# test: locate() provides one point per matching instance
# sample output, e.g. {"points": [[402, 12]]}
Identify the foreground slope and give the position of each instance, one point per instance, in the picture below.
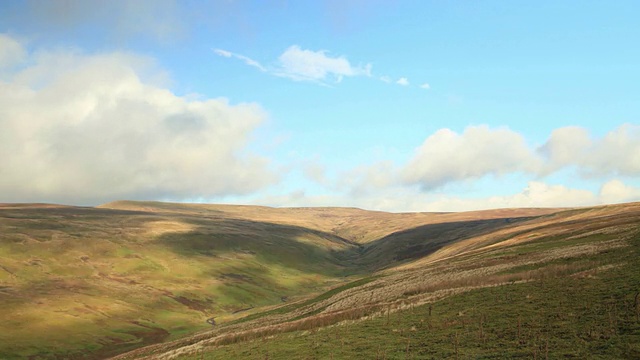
{"points": [[561, 285], [81, 282], [92, 280]]}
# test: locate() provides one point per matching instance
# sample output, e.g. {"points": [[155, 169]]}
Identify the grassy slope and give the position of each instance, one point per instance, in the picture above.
{"points": [[79, 280], [560, 286], [93, 282]]}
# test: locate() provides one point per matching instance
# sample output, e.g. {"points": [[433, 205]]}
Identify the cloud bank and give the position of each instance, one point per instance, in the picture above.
{"points": [[617, 153], [448, 157], [78, 128], [534, 194]]}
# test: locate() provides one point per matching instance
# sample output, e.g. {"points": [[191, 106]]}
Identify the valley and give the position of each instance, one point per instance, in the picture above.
{"points": [[189, 281]]}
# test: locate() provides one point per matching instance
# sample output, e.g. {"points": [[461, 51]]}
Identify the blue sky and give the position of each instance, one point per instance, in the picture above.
{"points": [[389, 105]]}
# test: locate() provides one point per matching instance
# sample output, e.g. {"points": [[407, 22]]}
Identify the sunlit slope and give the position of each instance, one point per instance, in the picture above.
{"points": [[356, 225], [85, 279], [383, 239], [559, 285], [92, 282]]}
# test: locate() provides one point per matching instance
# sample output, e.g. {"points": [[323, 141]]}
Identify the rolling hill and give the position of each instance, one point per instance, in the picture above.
{"points": [[225, 281]]}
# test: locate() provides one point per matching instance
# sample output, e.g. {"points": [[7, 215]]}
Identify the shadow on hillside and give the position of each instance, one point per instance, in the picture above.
{"points": [[243, 255], [412, 244], [294, 247], [320, 252]]}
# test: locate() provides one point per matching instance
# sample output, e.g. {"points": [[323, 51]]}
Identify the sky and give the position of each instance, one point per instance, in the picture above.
{"points": [[383, 105]]}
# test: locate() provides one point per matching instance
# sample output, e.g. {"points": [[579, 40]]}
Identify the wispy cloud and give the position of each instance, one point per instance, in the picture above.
{"points": [[319, 67], [247, 60], [307, 65], [403, 81], [425, 86], [224, 53], [300, 64]]}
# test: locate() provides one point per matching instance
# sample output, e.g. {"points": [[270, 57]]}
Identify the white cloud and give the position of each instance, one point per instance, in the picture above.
{"points": [[223, 53], [367, 179], [617, 153], [615, 191], [314, 66], [78, 128], [251, 62], [403, 81], [247, 60], [320, 67], [11, 52], [399, 199], [539, 194], [536, 194], [308, 65], [448, 157], [315, 171], [564, 147]]}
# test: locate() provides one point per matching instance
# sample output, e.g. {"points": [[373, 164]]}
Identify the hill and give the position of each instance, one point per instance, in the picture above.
{"points": [[224, 281]]}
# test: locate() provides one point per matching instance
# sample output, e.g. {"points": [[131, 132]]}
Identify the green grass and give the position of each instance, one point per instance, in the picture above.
{"points": [[555, 242], [90, 283], [592, 317], [75, 280], [291, 307]]}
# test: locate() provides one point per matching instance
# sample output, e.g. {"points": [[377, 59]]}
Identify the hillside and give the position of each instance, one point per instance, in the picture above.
{"points": [[81, 282]]}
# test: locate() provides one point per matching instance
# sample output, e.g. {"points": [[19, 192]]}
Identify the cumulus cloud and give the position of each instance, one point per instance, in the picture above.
{"points": [[615, 191], [315, 171], [617, 153], [77, 128], [564, 147], [447, 156], [11, 52], [540, 194], [536, 194], [367, 179], [402, 199], [403, 81], [425, 86]]}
